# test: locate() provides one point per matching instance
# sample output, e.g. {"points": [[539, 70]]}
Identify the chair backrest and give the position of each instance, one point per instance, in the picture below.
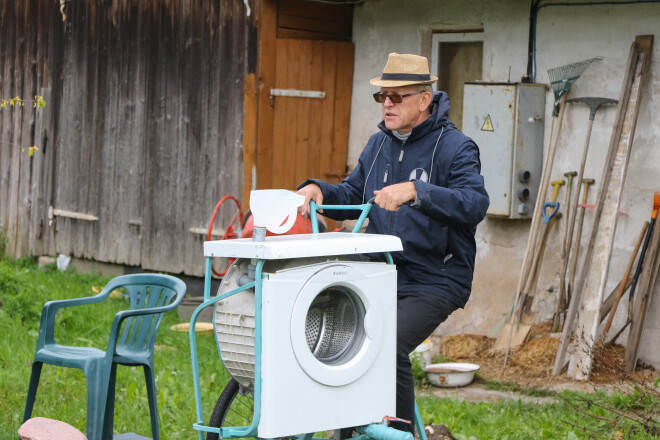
{"points": [[146, 291]]}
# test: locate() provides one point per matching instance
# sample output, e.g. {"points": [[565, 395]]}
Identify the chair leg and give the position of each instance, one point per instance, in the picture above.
{"points": [[97, 391], [109, 417], [151, 394], [32, 390]]}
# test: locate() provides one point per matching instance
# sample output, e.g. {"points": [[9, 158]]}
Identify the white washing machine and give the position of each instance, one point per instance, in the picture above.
{"points": [[329, 331]]}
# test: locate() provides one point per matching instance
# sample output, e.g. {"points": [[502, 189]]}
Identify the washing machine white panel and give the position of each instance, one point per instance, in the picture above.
{"points": [[303, 394]]}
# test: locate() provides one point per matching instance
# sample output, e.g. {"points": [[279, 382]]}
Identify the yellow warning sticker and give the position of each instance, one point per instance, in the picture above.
{"points": [[488, 124]]}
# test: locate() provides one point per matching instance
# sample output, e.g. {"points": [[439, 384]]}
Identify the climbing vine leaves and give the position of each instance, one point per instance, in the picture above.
{"points": [[17, 102]]}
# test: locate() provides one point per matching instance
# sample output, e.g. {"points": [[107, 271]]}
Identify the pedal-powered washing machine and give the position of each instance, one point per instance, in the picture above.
{"points": [[313, 338]]}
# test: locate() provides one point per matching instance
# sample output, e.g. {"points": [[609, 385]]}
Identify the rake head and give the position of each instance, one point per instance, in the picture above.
{"points": [[563, 77]]}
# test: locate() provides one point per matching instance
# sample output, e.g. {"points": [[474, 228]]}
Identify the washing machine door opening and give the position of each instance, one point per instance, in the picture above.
{"points": [[334, 326]]}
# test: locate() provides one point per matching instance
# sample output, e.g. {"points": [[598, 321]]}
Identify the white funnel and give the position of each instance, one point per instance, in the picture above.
{"points": [[275, 209]]}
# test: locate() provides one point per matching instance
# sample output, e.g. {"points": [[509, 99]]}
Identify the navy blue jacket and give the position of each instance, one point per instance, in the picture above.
{"points": [[438, 234]]}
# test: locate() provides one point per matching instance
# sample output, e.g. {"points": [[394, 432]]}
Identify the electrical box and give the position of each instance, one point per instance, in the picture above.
{"points": [[506, 121]]}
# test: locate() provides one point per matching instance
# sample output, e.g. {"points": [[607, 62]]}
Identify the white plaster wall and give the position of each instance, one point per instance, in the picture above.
{"points": [[564, 35]]}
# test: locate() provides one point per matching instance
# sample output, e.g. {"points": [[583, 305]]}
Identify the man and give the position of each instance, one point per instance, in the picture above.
{"points": [[425, 176]]}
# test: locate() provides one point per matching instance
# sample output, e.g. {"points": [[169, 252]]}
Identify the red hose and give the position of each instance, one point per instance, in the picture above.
{"points": [[229, 232]]}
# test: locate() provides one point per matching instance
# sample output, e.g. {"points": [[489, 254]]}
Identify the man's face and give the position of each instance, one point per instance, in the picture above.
{"points": [[402, 117]]}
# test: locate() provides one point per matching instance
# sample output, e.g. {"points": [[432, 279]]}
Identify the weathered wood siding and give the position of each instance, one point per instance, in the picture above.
{"points": [[142, 126]]}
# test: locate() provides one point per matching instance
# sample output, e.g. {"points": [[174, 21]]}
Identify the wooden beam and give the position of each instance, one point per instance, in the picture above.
{"points": [[250, 110], [267, 22]]}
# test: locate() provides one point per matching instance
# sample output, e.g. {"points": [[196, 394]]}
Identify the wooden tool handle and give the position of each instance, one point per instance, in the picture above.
{"points": [[555, 190], [624, 280]]}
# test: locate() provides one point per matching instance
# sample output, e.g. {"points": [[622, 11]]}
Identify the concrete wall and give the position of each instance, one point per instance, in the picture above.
{"points": [[564, 35]]}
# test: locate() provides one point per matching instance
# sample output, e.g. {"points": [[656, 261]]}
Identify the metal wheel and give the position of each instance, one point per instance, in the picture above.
{"points": [[231, 409]]}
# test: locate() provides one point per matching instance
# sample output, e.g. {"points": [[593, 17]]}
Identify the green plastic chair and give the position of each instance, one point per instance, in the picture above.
{"points": [[131, 342]]}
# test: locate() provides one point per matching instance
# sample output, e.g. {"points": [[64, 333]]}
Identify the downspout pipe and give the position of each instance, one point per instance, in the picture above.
{"points": [[531, 39]]}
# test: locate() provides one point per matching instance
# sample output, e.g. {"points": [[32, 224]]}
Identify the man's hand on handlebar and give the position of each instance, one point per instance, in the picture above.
{"points": [[310, 192], [392, 197]]}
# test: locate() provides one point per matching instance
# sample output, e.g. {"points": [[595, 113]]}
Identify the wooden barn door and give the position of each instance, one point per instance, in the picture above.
{"points": [[310, 134], [303, 47]]}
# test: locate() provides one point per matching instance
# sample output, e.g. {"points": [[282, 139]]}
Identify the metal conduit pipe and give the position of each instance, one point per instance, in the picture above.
{"points": [[536, 6]]}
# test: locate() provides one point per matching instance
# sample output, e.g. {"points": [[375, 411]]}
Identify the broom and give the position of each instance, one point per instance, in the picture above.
{"points": [[561, 80]]}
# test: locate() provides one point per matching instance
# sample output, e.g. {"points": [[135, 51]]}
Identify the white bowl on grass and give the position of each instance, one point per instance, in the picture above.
{"points": [[451, 374]]}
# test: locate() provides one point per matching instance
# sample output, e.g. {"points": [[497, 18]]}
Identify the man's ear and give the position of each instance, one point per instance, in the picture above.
{"points": [[427, 98]]}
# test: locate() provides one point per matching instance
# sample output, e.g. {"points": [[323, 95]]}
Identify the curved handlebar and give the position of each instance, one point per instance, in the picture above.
{"points": [[365, 207]]}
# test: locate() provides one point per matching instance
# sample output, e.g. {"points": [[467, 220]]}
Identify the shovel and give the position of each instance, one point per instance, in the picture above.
{"points": [[516, 330]]}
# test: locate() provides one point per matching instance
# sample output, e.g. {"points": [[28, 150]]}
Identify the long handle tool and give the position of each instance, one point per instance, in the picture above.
{"points": [[594, 104], [624, 280], [565, 249], [586, 183], [550, 210], [647, 238]]}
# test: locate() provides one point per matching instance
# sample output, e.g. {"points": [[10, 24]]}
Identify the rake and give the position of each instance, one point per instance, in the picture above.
{"points": [[563, 77], [561, 80]]}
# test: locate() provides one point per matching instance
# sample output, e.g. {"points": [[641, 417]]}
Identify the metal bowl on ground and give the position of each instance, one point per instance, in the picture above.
{"points": [[451, 374]]}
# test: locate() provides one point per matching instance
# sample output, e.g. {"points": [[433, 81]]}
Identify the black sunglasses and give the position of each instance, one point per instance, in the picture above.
{"points": [[394, 97]]}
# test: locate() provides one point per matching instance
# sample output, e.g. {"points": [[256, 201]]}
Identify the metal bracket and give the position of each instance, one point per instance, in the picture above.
{"points": [[54, 212], [204, 232], [293, 93]]}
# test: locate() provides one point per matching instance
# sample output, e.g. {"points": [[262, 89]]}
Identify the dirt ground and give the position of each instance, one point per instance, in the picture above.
{"points": [[529, 366]]}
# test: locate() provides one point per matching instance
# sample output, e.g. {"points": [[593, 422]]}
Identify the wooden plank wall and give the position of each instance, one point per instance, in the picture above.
{"points": [[142, 127], [302, 19]]}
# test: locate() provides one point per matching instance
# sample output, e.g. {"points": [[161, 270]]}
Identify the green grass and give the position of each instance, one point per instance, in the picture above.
{"points": [[24, 289], [504, 420], [516, 388], [573, 416]]}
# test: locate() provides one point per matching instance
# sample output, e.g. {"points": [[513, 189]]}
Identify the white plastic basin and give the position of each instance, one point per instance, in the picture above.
{"points": [[451, 374]]}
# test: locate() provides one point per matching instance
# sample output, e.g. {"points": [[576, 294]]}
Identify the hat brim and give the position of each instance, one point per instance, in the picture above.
{"points": [[391, 83]]}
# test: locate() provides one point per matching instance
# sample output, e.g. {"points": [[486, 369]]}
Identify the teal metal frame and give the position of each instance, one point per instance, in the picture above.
{"points": [[379, 431]]}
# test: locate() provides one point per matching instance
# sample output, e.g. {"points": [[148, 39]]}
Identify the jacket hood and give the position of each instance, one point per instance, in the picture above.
{"points": [[439, 110], [439, 107]]}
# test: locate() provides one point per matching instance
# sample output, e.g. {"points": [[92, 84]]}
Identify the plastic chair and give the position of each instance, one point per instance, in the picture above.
{"points": [[131, 342]]}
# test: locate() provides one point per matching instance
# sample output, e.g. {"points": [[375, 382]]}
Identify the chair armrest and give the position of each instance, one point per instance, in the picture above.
{"points": [[149, 311], [122, 315], [47, 323]]}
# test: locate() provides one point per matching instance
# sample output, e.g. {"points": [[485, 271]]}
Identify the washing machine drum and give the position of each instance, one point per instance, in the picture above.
{"points": [[329, 326], [334, 325]]}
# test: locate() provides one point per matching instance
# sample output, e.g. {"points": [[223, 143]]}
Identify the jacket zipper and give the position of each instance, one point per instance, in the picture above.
{"points": [[398, 179]]}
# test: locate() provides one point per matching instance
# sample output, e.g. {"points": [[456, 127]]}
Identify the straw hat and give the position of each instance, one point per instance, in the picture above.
{"points": [[404, 70]]}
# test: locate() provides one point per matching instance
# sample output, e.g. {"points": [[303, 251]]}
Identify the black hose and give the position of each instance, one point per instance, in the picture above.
{"points": [[640, 263], [534, 9]]}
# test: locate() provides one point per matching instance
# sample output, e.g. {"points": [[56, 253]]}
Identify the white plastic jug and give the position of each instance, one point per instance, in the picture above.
{"points": [[275, 209]]}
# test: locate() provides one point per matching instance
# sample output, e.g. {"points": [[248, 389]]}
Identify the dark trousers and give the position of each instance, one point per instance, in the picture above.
{"points": [[418, 315]]}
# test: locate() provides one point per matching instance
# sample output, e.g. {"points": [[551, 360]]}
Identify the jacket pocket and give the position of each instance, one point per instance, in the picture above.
{"points": [[439, 235]]}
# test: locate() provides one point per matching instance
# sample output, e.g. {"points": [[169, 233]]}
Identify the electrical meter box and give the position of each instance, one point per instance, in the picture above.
{"points": [[506, 121]]}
